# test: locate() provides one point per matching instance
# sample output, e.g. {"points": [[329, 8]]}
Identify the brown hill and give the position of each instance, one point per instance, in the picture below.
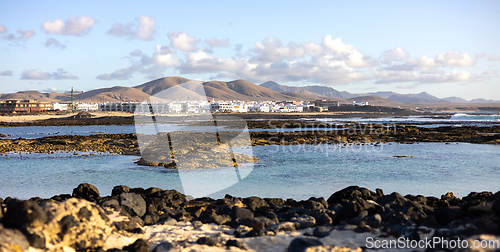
{"points": [[161, 84], [35, 95], [114, 94]]}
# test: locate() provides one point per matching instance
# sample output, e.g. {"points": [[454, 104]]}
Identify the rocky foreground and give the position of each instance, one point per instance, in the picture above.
{"points": [[137, 219]]}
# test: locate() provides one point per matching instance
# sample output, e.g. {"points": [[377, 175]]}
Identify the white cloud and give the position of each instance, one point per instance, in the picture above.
{"points": [[213, 42], [163, 57], [77, 26], [383, 76], [136, 53], [37, 74], [312, 48], [348, 53], [54, 42], [493, 57], [3, 29], [62, 75], [143, 29], [425, 64], [6, 73], [454, 76], [21, 35], [271, 50], [120, 74], [455, 58], [182, 41], [480, 55], [396, 54]]}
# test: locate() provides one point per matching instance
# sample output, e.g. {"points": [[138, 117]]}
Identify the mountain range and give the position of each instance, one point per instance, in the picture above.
{"points": [[232, 90]]}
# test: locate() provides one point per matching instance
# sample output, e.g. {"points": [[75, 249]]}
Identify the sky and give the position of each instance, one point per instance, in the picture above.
{"points": [[445, 48]]}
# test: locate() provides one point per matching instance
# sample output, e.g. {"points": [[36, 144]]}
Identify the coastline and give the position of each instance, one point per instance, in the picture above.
{"points": [[137, 219]]}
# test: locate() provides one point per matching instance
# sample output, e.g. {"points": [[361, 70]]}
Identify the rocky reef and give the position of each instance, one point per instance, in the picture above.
{"points": [[137, 219]]}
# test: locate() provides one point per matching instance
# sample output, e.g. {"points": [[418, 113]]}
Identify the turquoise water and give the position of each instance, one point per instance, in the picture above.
{"points": [[297, 172]]}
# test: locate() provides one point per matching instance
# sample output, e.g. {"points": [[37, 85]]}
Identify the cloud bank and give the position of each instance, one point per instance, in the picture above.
{"points": [[143, 29], [76, 26], [37, 74]]}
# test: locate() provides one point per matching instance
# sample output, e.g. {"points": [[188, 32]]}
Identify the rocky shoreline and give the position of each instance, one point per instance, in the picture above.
{"points": [[137, 219], [357, 134]]}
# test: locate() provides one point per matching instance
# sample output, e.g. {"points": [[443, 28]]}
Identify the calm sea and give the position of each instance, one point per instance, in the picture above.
{"points": [[298, 172]]}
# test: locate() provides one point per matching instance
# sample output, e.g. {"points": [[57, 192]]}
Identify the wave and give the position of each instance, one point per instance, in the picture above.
{"points": [[475, 118]]}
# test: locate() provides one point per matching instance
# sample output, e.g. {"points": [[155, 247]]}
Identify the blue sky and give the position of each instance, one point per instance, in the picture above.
{"points": [[446, 48]]}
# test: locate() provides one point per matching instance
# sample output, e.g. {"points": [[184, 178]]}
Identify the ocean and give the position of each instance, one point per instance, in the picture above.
{"points": [[297, 172]]}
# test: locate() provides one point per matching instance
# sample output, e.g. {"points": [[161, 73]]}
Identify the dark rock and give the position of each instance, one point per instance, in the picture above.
{"points": [[409, 232], [313, 205], [167, 246], [139, 245], [61, 197], [322, 231], [117, 190], [374, 220], [13, 240], [151, 218], [172, 221], [283, 227], [260, 222], [323, 219], [487, 224], [111, 203], [445, 215], [24, 213], [66, 223], [238, 213], [394, 200], [36, 238], [209, 240], [133, 203], [304, 221], [362, 228], [302, 244], [379, 192], [357, 204], [197, 224], [235, 243], [496, 207], [255, 232], [350, 192], [256, 204], [274, 201], [87, 191]]}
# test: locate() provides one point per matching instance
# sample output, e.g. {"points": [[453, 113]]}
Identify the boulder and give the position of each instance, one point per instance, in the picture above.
{"points": [[302, 244], [75, 223], [304, 221], [394, 200], [24, 213], [209, 240], [133, 203], [238, 213], [12, 240], [87, 191], [349, 193], [117, 190], [256, 204], [235, 243], [322, 231], [139, 245]]}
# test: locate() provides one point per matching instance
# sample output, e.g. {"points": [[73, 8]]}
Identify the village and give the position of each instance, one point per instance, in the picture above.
{"points": [[34, 106]]}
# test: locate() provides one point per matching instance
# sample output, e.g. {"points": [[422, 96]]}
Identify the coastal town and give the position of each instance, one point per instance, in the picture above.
{"points": [[175, 107]]}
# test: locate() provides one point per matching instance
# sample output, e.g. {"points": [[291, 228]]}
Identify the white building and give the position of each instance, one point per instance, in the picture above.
{"points": [[60, 106], [355, 103]]}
